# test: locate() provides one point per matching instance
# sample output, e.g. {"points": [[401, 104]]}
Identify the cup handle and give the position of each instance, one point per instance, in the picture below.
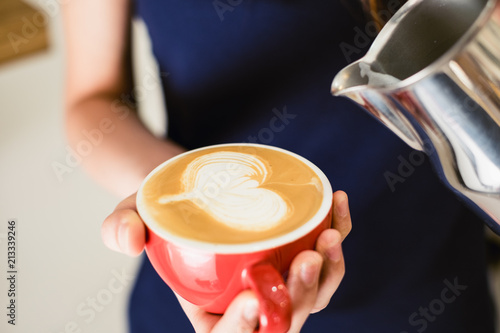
{"points": [[274, 299]]}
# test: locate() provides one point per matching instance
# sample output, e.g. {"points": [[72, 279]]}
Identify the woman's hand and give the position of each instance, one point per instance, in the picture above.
{"points": [[314, 275]]}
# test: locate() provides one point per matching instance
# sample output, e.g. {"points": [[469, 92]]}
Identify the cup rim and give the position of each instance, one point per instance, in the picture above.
{"points": [[249, 247]]}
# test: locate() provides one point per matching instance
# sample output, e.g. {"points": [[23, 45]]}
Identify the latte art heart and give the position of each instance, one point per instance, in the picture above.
{"points": [[228, 186]]}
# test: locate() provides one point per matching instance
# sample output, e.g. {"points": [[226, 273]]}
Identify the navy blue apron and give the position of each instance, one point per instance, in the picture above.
{"points": [[260, 71]]}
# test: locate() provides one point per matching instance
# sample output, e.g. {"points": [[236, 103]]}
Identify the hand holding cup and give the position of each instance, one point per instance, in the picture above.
{"points": [[225, 252]]}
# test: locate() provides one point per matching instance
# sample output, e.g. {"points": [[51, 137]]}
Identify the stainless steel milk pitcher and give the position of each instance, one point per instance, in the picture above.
{"points": [[432, 76]]}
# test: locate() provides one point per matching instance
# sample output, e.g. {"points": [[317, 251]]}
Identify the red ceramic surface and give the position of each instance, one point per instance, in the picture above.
{"points": [[211, 280]]}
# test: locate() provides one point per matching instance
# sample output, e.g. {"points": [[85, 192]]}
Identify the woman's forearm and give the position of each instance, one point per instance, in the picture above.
{"points": [[115, 148], [113, 145]]}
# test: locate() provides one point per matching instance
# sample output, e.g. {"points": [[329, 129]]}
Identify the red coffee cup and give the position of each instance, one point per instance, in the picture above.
{"points": [[211, 275]]}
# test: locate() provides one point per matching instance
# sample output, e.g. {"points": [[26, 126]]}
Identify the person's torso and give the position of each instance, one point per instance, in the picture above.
{"points": [[260, 71]]}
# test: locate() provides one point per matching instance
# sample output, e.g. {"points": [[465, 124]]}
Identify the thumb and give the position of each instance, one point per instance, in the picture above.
{"points": [[123, 230], [242, 315]]}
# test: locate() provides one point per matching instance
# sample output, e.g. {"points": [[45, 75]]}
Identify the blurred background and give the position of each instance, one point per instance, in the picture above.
{"points": [[67, 281]]}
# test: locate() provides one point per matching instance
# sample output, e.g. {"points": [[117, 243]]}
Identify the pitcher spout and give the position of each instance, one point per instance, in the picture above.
{"points": [[363, 85], [362, 75], [348, 79]]}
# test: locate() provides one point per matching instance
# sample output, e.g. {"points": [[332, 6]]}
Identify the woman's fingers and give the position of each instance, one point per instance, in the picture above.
{"points": [[329, 246], [341, 213], [123, 230], [303, 283], [242, 315], [312, 279], [202, 321]]}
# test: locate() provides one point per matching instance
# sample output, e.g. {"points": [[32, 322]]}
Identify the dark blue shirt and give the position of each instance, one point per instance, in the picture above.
{"points": [[260, 71]]}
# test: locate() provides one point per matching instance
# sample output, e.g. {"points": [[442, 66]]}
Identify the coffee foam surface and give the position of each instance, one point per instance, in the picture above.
{"points": [[226, 185], [238, 194]]}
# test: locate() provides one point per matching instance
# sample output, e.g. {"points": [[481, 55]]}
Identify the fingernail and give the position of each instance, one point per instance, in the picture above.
{"points": [[309, 273], [341, 207], [123, 239], [251, 311], [334, 252]]}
